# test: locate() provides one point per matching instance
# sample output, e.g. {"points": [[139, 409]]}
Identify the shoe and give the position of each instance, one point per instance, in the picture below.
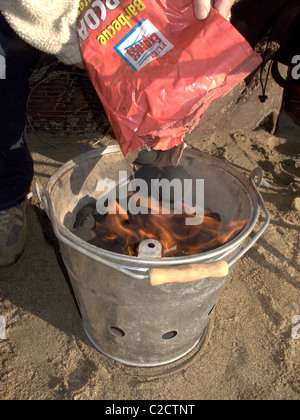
{"points": [[12, 233]]}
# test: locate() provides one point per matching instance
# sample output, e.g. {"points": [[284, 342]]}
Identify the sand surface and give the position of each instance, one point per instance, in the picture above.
{"points": [[251, 350]]}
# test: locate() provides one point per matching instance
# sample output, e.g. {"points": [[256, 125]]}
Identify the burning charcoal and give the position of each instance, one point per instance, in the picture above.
{"points": [[205, 237], [115, 247], [85, 218], [100, 218], [85, 233], [202, 241], [132, 219]]}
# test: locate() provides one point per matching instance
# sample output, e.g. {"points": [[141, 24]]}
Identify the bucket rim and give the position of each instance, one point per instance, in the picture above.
{"points": [[135, 262]]}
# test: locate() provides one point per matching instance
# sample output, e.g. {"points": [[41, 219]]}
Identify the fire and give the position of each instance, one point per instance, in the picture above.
{"points": [[122, 233]]}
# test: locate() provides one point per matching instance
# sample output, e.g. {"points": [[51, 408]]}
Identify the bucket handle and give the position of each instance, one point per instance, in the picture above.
{"points": [[256, 178], [176, 274]]}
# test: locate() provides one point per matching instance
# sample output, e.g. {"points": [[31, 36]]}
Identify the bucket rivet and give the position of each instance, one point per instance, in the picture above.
{"points": [[150, 248]]}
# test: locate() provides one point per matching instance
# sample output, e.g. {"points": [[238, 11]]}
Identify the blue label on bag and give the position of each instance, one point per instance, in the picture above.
{"points": [[142, 45]]}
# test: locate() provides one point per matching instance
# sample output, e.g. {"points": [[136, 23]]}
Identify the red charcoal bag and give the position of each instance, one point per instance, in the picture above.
{"points": [[156, 68]]}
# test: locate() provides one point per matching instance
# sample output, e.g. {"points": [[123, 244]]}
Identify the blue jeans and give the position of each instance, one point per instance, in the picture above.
{"points": [[16, 165]]}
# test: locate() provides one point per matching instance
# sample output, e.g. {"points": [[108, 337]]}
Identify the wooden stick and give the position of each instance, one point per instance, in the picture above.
{"points": [[186, 273]]}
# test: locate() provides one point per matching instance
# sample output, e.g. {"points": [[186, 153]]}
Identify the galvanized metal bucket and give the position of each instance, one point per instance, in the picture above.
{"points": [[123, 314]]}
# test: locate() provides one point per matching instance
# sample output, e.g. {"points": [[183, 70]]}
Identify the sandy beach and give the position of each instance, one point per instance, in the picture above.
{"points": [[251, 346]]}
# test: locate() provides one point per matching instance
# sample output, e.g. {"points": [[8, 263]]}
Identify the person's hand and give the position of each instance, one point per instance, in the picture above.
{"points": [[202, 7]]}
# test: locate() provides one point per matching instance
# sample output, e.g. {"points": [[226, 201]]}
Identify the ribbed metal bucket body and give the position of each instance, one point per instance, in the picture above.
{"points": [[123, 315]]}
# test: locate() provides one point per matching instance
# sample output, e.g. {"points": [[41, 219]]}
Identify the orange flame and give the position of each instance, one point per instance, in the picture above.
{"points": [[122, 233]]}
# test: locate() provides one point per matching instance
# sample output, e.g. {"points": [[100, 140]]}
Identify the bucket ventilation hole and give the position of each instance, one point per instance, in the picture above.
{"points": [[117, 331], [168, 335]]}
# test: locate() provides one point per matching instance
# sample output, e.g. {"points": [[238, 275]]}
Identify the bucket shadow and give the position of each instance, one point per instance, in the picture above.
{"points": [[279, 256], [51, 239]]}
